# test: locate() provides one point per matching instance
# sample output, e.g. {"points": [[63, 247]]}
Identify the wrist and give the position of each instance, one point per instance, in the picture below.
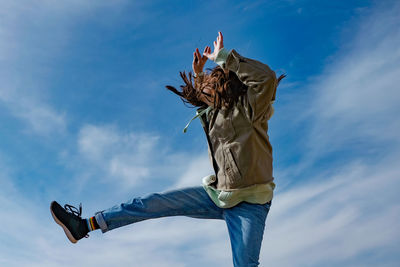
{"points": [[221, 57]]}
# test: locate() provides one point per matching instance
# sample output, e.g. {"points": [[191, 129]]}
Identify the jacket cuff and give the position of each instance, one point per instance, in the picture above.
{"points": [[232, 63], [221, 57], [200, 74]]}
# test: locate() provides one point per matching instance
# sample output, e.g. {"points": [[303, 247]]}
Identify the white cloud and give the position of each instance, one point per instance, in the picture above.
{"points": [[23, 61], [358, 95], [40, 117], [197, 168], [122, 157], [351, 209], [354, 102], [29, 237], [132, 158], [352, 212], [33, 36]]}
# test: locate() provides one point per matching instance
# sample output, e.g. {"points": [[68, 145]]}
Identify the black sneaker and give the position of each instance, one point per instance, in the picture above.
{"points": [[69, 218]]}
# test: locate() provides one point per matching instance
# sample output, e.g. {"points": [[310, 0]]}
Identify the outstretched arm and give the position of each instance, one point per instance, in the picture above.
{"points": [[259, 78]]}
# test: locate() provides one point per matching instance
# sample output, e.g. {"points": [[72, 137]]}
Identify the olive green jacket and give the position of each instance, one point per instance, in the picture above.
{"points": [[238, 143]]}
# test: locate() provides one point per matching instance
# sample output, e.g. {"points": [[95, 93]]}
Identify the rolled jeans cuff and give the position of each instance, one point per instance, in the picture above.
{"points": [[101, 222]]}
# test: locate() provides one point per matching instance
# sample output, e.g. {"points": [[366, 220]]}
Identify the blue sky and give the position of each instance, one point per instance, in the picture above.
{"points": [[85, 117]]}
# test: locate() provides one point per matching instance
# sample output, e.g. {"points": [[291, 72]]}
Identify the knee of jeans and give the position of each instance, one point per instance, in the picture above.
{"points": [[150, 201], [135, 202]]}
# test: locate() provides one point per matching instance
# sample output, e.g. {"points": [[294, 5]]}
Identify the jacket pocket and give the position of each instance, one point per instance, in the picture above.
{"points": [[231, 168]]}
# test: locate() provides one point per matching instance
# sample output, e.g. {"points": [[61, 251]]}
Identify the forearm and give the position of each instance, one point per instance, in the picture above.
{"points": [[249, 71], [259, 78]]}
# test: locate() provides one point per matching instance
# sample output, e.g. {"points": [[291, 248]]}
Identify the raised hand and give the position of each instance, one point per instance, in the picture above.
{"points": [[199, 61], [218, 45]]}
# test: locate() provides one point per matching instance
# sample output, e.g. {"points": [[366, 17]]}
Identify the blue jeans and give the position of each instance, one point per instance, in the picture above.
{"points": [[245, 221]]}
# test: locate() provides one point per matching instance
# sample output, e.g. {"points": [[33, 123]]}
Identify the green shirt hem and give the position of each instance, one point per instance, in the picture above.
{"points": [[255, 194]]}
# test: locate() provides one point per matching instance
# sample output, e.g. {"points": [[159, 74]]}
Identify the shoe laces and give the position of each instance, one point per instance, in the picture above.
{"points": [[75, 211]]}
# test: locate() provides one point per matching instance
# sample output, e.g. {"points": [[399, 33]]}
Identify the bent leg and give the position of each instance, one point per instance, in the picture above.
{"points": [[246, 223], [192, 202]]}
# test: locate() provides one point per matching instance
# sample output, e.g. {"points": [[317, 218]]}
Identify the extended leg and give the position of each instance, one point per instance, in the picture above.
{"points": [[192, 202]]}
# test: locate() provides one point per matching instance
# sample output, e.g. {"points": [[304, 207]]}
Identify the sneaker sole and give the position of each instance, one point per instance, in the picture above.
{"points": [[67, 232]]}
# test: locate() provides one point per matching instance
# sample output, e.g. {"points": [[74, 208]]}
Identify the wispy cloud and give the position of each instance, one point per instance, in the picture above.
{"points": [[351, 106], [29, 237], [113, 156], [33, 37], [334, 220], [40, 117], [125, 157], [348, 210], [196, 169], [23, 62]]}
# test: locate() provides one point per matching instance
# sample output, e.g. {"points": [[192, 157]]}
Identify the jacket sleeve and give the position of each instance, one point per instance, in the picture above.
{"points": [[259, 78]]}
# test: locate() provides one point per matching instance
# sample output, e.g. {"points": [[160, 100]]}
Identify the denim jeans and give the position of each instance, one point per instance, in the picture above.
{"points": [[245, 221]]}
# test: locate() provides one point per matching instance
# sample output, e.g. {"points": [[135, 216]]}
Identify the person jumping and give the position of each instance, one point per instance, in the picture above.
{"points": [[234, 102]]}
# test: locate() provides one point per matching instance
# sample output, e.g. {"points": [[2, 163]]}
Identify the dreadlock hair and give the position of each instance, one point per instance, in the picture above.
{"points": [[224, 84]]}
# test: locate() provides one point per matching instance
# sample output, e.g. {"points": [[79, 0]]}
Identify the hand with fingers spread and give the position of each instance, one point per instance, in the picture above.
{"points": [[199, 61], [218, 45]]}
